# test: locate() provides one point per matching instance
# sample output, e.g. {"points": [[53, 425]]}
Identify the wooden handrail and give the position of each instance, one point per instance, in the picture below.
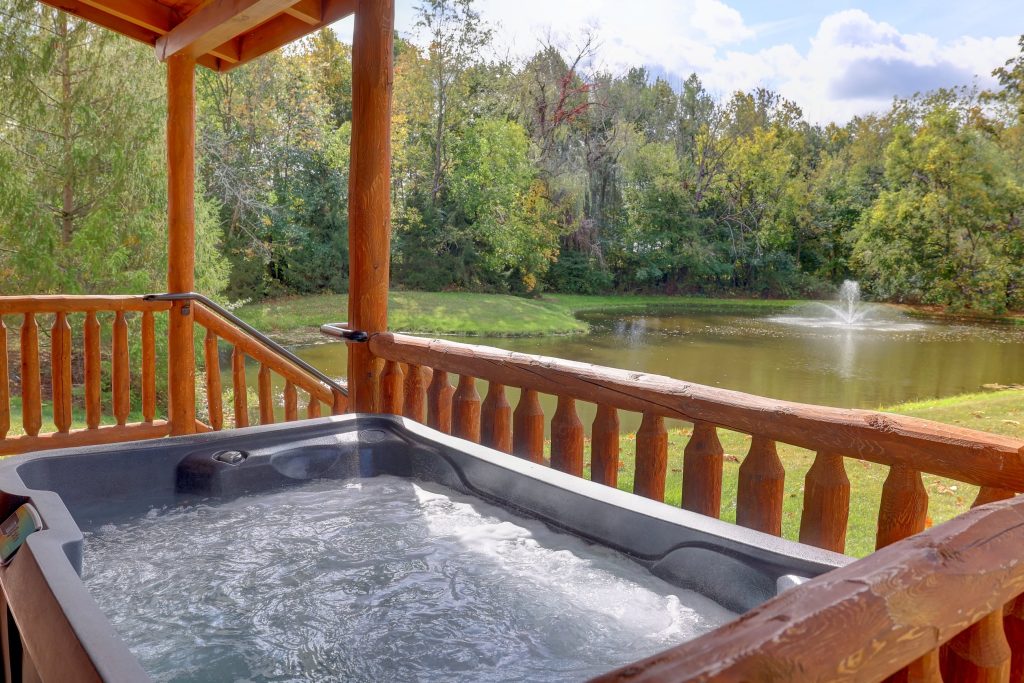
{"points": [[869, 619], [10, 305], [966, 455]]}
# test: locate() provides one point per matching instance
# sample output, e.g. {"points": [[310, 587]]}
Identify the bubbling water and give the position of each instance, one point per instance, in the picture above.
{"points": [[377, 579]]}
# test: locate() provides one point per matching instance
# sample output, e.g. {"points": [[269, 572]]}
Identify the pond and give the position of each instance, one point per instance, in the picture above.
{"points": [[794, 356]]}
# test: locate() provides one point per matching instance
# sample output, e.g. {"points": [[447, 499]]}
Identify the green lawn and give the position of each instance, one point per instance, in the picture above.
{"points": [[296, 319]]}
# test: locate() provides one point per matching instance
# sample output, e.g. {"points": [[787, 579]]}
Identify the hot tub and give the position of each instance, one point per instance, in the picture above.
{"points": [[182, 533]]}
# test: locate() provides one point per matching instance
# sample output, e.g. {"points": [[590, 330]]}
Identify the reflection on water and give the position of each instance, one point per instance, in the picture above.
{"points": [[853, 368]]}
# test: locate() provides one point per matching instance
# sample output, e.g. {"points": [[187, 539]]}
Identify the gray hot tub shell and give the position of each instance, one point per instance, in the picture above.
{"points": [[82, 488]]}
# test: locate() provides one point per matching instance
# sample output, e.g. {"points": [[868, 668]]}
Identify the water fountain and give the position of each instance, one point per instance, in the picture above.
{"points": [[849, 312]]}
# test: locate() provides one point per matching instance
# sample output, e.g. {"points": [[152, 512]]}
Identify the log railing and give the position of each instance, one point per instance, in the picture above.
{"points": [[96, 338], [908, 446]]}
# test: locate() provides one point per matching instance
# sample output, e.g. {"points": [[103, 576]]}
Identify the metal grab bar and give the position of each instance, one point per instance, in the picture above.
{"points": [[251, 331], [342, 331]]}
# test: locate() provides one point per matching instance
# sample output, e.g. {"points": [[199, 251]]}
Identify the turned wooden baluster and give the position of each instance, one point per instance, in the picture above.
{"points": [[466, 410], [496, 419], [121, 370], [567, 438], [703, 459], [391, 388], [31, 401], [1013, 627], [761, 488], [93, 371], [5, 384], [313, 407], [339, 405], [415, 404], [266, 395], [528, 427], [826, 503], [904, 506], [604, 446], [291, 402], [651, 458], [214, 393], [439, 402], [923, 670], [238, 381], [60, 372], [149, 367]]}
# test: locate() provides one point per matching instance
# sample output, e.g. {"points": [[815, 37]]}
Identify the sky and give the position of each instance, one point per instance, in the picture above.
{"points": [[834, 59]]}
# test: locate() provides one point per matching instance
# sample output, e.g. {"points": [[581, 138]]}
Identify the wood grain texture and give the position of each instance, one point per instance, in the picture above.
{"points": [[439, 402], [415, 405], [604, 446], [703, 460], [121, 370], [904, 506], [55, 303], [148, 367], [392, 388], [291, 402], [962, 454], [567, 438], [865, 621], [31, 398], [241, 399], [651, 458], [5, 384], [980, 654], [496, 419], [528, 427], [466, 410], [826, 503], [761, 488], [93, 371], [265, 392], [60, 372], [214, 390]]}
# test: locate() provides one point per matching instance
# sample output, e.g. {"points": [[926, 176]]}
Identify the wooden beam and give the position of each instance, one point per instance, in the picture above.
{"points": [[287, 28], [369, 192], [148, 14], [309, 11], [215, 24], [181, 172]]}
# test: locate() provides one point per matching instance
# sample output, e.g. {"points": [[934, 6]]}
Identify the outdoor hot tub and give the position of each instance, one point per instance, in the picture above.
{"points": [[357, 548]]}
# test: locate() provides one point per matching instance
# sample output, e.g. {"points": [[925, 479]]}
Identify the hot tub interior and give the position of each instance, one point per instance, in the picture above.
{"points": [[374, 549]]}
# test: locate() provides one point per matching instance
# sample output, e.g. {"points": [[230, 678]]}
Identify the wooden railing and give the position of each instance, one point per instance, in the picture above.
{"points": [[908, 446], [94, 336]]}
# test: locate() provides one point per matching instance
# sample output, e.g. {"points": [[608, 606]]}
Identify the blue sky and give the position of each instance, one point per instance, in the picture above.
{"points": [[835, 59]]}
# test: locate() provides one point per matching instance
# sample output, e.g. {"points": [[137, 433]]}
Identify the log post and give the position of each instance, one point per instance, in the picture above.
{"points": [[466, 410], [120, 370], [567, 438], [703, 460], [369, 191], [604, 446], [181, 258], [214, 393], [391, 388], [761, 488], [265, 392], [528, 427], [904, 507], [439, 402], [651, 458], [31, 398], [60, 372], [415, 395], [93, 371], [241, 399], [149, 366], [826, 503], [5, 385], [496, 419]]}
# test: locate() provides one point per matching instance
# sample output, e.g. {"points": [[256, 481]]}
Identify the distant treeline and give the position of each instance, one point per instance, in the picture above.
{"points": [[508, 176]]}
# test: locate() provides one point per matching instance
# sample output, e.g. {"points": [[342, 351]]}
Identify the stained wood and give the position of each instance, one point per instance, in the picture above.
{"points": [[567, 438], [312, 407], [214, 392], [85, 437], [415, 404], [761, 488], [651, 458], [214, 24], [496, 419], [604, 446], [60, 372], [439, 402], [121, 370], [865, 621], [528, 427], [286, 28], [339, 402], [392, 388], [980, 654], [291, 402], [826, 503], [241, 400], [369, 191], [55, 303], [923, 670], [987, 494], [148, 367], [1013, 627], [962, 454], [5, 384], [265, 391], [904, 506], [466, 410], [93, 371], [703, 460], [31, 400], [309, 11], [181, 237]]}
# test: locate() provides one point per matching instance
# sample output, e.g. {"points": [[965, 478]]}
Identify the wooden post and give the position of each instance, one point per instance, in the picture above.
{"points": [[181, 258], [703, 460], [369, 192]]}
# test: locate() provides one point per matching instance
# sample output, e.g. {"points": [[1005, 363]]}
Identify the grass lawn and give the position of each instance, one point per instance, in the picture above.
{"points": [[296, 319]]}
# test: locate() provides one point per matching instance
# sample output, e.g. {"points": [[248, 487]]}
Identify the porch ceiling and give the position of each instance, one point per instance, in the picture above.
{"points": [[219, 34]]}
